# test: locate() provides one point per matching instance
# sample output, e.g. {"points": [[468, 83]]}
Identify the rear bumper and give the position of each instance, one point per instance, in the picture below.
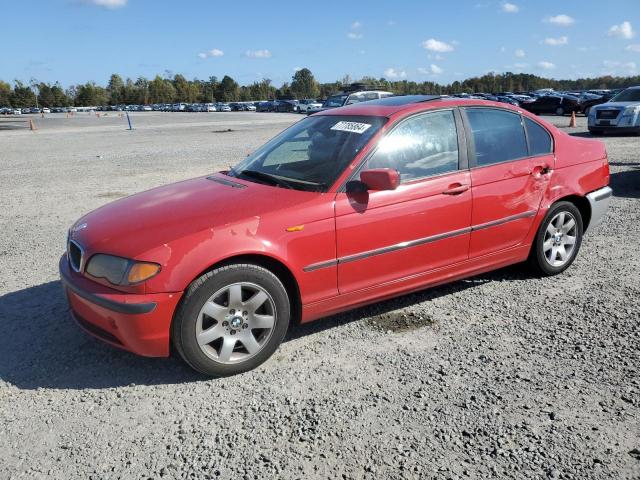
{"points": [[134, 322], [599, 201]]}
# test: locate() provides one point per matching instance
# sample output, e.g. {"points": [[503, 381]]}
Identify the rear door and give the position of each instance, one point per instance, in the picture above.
{"points": [[384, 236], [509, 172]]}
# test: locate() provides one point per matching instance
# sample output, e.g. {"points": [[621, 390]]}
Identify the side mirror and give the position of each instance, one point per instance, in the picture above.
{"points": [[380, 178]]}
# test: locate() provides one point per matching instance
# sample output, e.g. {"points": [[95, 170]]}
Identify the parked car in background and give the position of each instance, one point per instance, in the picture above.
{"points": [[16, 111], [45, 110], [323, 218], [307, 103], [350, 97], [556, 103], [286, 106], [250, 107], [621, 114], [223, 107], [263, 107], [588, 100]]}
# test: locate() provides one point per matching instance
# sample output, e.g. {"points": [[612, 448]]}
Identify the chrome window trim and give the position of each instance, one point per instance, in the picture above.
{"points": [[414, 243]]}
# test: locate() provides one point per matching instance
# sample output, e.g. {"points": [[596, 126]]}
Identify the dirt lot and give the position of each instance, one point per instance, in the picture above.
{"points": [[499, 376]]}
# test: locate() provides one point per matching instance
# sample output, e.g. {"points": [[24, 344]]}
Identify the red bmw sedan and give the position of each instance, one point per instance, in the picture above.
{"points": [[344, 208]]}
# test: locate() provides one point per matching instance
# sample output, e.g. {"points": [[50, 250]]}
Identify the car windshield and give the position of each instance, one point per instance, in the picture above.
{"points": [[628, 95], [311, 154], [335, 101]]}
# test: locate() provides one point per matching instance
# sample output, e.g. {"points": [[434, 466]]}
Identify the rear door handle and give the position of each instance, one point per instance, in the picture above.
{"points": [[456, 189], [540, 170]]}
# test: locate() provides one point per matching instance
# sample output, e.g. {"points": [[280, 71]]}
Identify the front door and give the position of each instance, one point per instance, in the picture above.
{"points": [[385, 236]]}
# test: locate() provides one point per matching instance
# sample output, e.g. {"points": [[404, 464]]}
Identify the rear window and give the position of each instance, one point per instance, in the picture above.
{"points": [[540, 142]]}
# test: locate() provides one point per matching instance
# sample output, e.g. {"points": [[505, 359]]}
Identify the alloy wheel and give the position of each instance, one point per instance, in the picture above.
{"points": [[236, 322], [560, 239]]}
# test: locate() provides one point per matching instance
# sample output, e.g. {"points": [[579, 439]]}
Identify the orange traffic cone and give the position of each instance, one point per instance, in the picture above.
{"points": [[572, 123], [32, 126]]}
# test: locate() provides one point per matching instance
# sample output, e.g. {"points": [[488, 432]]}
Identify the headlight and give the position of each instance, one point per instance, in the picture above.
{"points": [[121, 271], [630, 111]]}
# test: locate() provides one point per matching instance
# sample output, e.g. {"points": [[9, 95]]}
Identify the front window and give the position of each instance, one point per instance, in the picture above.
{"points": [[311, 154], [628, 95], [421, 146], [335, 101]]}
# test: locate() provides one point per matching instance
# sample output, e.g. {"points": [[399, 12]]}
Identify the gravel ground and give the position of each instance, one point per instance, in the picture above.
{"points": [[499, 376]]}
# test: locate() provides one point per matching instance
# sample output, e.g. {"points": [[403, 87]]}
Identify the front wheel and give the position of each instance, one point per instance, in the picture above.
{"points": [[558, 239], [231, 320], [560, 111]]}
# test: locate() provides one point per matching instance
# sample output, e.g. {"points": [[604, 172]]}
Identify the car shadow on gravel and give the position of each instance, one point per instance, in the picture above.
{"points": [[43, 348], [396, 314], [626, 184]]}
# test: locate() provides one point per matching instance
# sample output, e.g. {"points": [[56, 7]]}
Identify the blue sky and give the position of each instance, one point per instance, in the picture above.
{"points": [[75, 41]]}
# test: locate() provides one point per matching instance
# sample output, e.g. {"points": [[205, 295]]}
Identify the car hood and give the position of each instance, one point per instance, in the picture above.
{"points": [[617, 105], [134, 225]]}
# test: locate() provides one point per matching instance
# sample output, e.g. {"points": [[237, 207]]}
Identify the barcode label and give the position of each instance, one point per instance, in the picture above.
{"points": [[353, 127]]}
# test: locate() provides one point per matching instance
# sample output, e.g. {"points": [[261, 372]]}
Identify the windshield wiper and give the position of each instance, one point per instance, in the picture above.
{"points": [[271, 179]]}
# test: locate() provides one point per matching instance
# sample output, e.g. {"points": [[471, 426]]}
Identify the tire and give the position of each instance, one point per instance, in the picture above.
{"points": [[586, 111], [231, 320], [557, 234], [560, 111], [595, 131]]}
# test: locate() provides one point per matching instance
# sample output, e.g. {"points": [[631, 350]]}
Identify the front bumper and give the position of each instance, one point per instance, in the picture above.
{"points": [[134, 322], [613, 129], [599, 201]]}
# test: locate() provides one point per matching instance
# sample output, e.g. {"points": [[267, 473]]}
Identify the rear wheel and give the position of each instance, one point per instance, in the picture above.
{"points": [[560, 111], [586, 111], [558, 239], [232, 319]]}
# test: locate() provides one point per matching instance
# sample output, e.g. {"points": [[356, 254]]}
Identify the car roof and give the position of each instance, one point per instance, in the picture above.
{"points": [[385, 107]]}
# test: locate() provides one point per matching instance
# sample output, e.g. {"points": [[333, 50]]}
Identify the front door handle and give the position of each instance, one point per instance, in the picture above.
{"points": [[456, 189]]}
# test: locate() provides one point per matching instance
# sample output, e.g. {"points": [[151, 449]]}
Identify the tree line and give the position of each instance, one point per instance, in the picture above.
{"points": [[177, 88]]}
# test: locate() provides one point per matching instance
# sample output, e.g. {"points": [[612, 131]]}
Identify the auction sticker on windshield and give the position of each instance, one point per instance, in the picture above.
{"points": [[353, 127]]}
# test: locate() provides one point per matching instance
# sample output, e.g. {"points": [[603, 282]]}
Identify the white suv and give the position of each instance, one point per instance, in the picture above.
{"points": [[621, 114]]}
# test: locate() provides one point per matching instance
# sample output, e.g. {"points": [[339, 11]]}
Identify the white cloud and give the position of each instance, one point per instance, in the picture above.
{"points": [[437, 46], [295, 69], [111, 4], [355, 25], [503, 49], [521, 65], [214, 52], [633, 48], [554, 42], [546, 65], [510, 8], [562, 20], [624, 30], [627, 67], [392, 73], [432, 70], [354, 35], [520, 53], [257, 54]]}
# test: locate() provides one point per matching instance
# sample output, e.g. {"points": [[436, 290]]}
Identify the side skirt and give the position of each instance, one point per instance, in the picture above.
{"points": [[431, 278]]}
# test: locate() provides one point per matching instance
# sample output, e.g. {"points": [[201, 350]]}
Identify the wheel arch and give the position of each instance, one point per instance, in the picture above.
{"points": [[275, 266], [583, 206]]}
